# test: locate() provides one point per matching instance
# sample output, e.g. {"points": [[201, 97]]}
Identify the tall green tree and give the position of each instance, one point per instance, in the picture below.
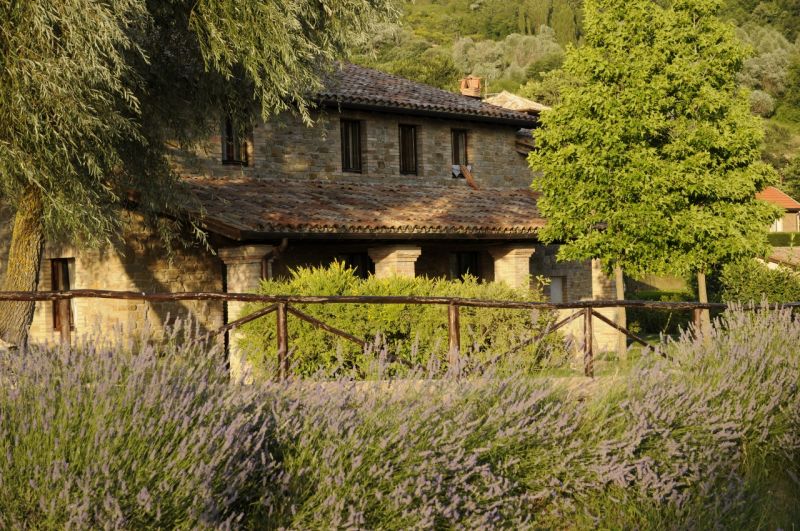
{"points": [[90, 92], [651, 161]]}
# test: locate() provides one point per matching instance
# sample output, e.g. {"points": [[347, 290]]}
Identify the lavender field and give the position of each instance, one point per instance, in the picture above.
{"points": [[114, 435]]}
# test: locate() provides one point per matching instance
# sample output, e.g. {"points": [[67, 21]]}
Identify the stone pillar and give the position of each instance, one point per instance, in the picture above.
{"points": [[603, 288], [395, 260], [512, 265], [244, 268]]}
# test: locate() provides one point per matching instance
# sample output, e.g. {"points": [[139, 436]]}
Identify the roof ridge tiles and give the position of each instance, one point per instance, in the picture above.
{"points": [[353, 84]]}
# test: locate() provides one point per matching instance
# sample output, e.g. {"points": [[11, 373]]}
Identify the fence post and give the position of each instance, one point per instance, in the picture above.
{"points": [[588, 353], [64, 321], [283, 342], [454, 328]]}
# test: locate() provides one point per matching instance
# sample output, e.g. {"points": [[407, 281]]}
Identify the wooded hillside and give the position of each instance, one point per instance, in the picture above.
{"points": [[519, 46]]}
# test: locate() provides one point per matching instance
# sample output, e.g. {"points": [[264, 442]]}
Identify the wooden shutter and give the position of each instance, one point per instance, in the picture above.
{"points": [[351, 145], [234, 147], [408, 149], [459, 137]]}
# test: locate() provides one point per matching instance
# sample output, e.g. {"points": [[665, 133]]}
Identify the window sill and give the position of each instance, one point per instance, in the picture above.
{"points": [[234, 163]]}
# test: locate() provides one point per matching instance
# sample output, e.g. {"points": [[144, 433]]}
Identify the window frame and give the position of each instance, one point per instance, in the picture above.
{"points": [[234, 147], [405, 167], [455, 148], [352, 147], [562, 293]]}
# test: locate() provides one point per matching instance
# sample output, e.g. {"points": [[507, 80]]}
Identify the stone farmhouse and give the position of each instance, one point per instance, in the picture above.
{"points": [[394, 178]]}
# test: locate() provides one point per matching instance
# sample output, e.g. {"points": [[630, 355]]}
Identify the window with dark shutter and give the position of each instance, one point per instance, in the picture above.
{"points": [[459, 147], [408, 149], [351, 145], [59, 281], [234, 146]]}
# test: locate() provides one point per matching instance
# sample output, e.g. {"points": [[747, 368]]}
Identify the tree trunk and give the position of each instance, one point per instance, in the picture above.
{"points": [[705, 315], [622, 339], [22, 272]]}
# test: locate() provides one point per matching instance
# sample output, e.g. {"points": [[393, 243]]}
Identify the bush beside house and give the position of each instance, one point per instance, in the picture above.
{"points": [[402, 335], [752, 281]]}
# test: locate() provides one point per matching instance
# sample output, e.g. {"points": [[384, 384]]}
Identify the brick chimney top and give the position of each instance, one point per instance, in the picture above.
{"points": [[471, 86]]}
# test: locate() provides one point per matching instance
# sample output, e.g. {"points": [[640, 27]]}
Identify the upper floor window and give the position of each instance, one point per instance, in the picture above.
{"points": [[408, 149], [351, 145], [234, 146], [459, 147]]}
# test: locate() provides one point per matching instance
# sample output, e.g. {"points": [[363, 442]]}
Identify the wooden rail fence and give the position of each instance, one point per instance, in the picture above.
{"points": [[281, 306]]}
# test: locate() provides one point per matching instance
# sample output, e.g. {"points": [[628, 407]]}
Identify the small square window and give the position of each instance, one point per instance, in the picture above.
{"points": [[557, 289], [351, 146], [408, 149], [234, 146]]}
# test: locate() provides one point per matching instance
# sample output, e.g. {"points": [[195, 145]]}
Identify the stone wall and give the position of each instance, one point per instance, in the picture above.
{"points": [[583, 281], [286, 148], [140, 264], [790, 222]]}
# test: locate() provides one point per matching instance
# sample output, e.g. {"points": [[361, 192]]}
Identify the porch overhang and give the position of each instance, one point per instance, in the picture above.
{"points": [[248, 210]]}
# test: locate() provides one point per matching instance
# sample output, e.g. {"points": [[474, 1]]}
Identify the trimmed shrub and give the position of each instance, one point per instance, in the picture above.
{"points": [[752, 281], [404, 337], [783, 239], [762, 103]]}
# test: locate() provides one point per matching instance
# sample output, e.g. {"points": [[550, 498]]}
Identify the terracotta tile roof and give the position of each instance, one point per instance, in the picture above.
{"points": [[775, 196], [350, 85], [251, 208]]}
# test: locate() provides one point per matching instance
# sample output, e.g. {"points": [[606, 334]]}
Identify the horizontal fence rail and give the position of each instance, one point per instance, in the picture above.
{"points": [[43, 296], [281, 306]]}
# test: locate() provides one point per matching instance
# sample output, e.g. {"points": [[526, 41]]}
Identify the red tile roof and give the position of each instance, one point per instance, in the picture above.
{"points": [[775, 196], [256, 208], [351, 85]]}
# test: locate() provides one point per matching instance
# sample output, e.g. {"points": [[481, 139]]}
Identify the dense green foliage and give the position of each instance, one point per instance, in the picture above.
{"points": [[783, 239], [402, 336], [125, 436], [649, 321], [440, 31], [652, 159], [748, 281]]}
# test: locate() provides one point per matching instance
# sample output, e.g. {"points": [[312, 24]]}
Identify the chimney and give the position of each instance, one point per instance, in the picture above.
{"points": [[471, 86]]}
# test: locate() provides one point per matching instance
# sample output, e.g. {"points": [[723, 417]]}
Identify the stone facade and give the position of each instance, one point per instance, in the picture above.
{"points": [[285, 147], [580, 281], [139, 265]]}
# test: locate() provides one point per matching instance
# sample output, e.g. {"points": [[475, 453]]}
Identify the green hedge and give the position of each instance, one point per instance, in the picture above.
{"points": [[659, 321], [752, 281], [403, 335], [784, 239]]}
